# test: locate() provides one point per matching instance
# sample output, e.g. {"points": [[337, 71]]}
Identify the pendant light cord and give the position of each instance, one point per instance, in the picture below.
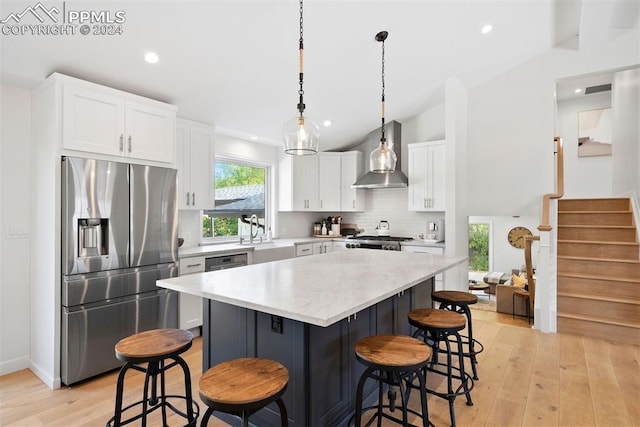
{"points": [[301, 72], [382, 138]]}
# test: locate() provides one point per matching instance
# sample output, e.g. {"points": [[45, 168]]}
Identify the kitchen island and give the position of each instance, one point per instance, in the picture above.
{"points": [[307, 313]]}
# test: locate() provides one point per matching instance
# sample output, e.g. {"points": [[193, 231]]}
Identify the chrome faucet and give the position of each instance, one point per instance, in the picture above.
{"points": [[254, 216]]}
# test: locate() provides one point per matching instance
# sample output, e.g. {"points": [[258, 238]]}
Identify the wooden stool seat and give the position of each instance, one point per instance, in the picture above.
{"points": [[392, 351], [148, 352], [243, 381], [430, 318], [242, 386], [456, 297], [157, 343], [399, 360]]}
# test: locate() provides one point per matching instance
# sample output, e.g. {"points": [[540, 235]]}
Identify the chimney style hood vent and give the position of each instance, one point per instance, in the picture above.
{"points": [[395, 179]]}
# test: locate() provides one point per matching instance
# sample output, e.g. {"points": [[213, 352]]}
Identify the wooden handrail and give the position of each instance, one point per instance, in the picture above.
{"points": [[545, 226]]}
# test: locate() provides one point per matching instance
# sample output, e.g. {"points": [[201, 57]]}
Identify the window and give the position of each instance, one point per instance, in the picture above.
{"points": [[479, 248], [240, 190]]}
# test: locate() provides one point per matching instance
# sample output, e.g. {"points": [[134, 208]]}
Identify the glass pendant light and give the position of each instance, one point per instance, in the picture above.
{"points": [[301, 134], [383, 159]]}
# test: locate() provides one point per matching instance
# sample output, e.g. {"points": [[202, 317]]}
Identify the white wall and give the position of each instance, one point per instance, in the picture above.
{"points": [[626, 132], [511, 126], [584, 176], [15, 192]]}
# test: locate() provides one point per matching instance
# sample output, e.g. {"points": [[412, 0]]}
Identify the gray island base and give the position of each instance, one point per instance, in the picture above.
{"points": [[308, 313]]}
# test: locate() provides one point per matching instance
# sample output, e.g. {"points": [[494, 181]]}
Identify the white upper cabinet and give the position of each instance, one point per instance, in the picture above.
{"points": [[298, 183], [329, 181], [100, 120], [351, 199], [194, 160], [427, 176]]}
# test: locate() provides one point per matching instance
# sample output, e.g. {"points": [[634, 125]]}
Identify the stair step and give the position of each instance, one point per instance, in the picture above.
{"points": [[598, 249], [604, 233], [624, 218], [633, 300], [608, 204], [584, 265], [605, 309], [591, 327], [597, 286]]}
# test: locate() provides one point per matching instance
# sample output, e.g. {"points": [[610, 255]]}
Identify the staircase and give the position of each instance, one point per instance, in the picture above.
{"points": [[598, 270]]}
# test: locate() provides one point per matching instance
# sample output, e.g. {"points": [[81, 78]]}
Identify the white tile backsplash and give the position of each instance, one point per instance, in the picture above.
{"points": [[388, 204], [391, 204]]}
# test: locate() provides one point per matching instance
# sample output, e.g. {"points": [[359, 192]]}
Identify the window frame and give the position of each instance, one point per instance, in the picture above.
{"points": [[489, 223], [269, 195]]}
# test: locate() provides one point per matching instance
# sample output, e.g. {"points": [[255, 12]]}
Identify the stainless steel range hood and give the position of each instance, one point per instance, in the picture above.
{"points": [[395, 179]]}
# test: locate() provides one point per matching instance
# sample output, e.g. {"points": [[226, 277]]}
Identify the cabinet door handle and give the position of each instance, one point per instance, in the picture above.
{"points": [[193, 199], [187, 198], [425, 203], [320, 204], [129, 143], [354, 204], [194, 265], [121, 142]]}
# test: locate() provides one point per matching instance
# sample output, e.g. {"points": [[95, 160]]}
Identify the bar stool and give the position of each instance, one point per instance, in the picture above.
{"points": [[396, 358], [154, 348], [244, 386], [439, 326], [459, 302]]}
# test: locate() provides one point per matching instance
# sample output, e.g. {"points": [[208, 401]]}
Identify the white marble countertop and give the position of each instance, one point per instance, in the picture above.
{"points": [[321, 289]]}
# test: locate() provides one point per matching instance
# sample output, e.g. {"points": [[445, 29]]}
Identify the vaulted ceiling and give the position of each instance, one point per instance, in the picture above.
{"points": [[234, 63]]}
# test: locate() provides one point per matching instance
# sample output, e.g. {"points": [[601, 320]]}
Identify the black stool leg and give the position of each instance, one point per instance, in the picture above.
{"points": [[206, 416], [463, 374], [119, 392], [423, 398], [284, 418], [360, 389], [187, 387], [163, 395], [472, 349]]}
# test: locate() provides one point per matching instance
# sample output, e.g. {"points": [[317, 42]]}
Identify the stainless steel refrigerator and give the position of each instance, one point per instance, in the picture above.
{"points": [[119, 235]]}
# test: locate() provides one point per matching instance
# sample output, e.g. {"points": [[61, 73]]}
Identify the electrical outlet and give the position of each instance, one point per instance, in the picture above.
{"points": [[276, 324]]}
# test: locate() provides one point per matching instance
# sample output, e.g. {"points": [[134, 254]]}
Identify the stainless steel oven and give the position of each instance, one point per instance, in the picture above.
{"points": [[387, 243]]}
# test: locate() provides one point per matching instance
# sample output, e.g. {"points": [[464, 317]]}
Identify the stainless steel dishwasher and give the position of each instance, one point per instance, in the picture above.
{"points": [[222, 262]]}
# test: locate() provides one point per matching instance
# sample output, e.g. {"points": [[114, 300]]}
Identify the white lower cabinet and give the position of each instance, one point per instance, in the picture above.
{"points": [[322, 247], [439, 282], [304, 249], [190, 306]]}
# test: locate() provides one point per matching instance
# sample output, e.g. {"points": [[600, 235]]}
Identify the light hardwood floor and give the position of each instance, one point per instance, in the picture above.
{"points": [[527, 378]]}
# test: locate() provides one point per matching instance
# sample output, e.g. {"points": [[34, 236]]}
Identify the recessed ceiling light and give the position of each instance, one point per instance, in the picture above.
{"points": [[327, 123], [486, 29], [151, 57], [577, 90]]}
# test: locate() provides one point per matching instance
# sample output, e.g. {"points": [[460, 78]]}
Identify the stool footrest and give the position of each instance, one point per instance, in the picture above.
{"points": [[161, 402], [391, 417]]}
